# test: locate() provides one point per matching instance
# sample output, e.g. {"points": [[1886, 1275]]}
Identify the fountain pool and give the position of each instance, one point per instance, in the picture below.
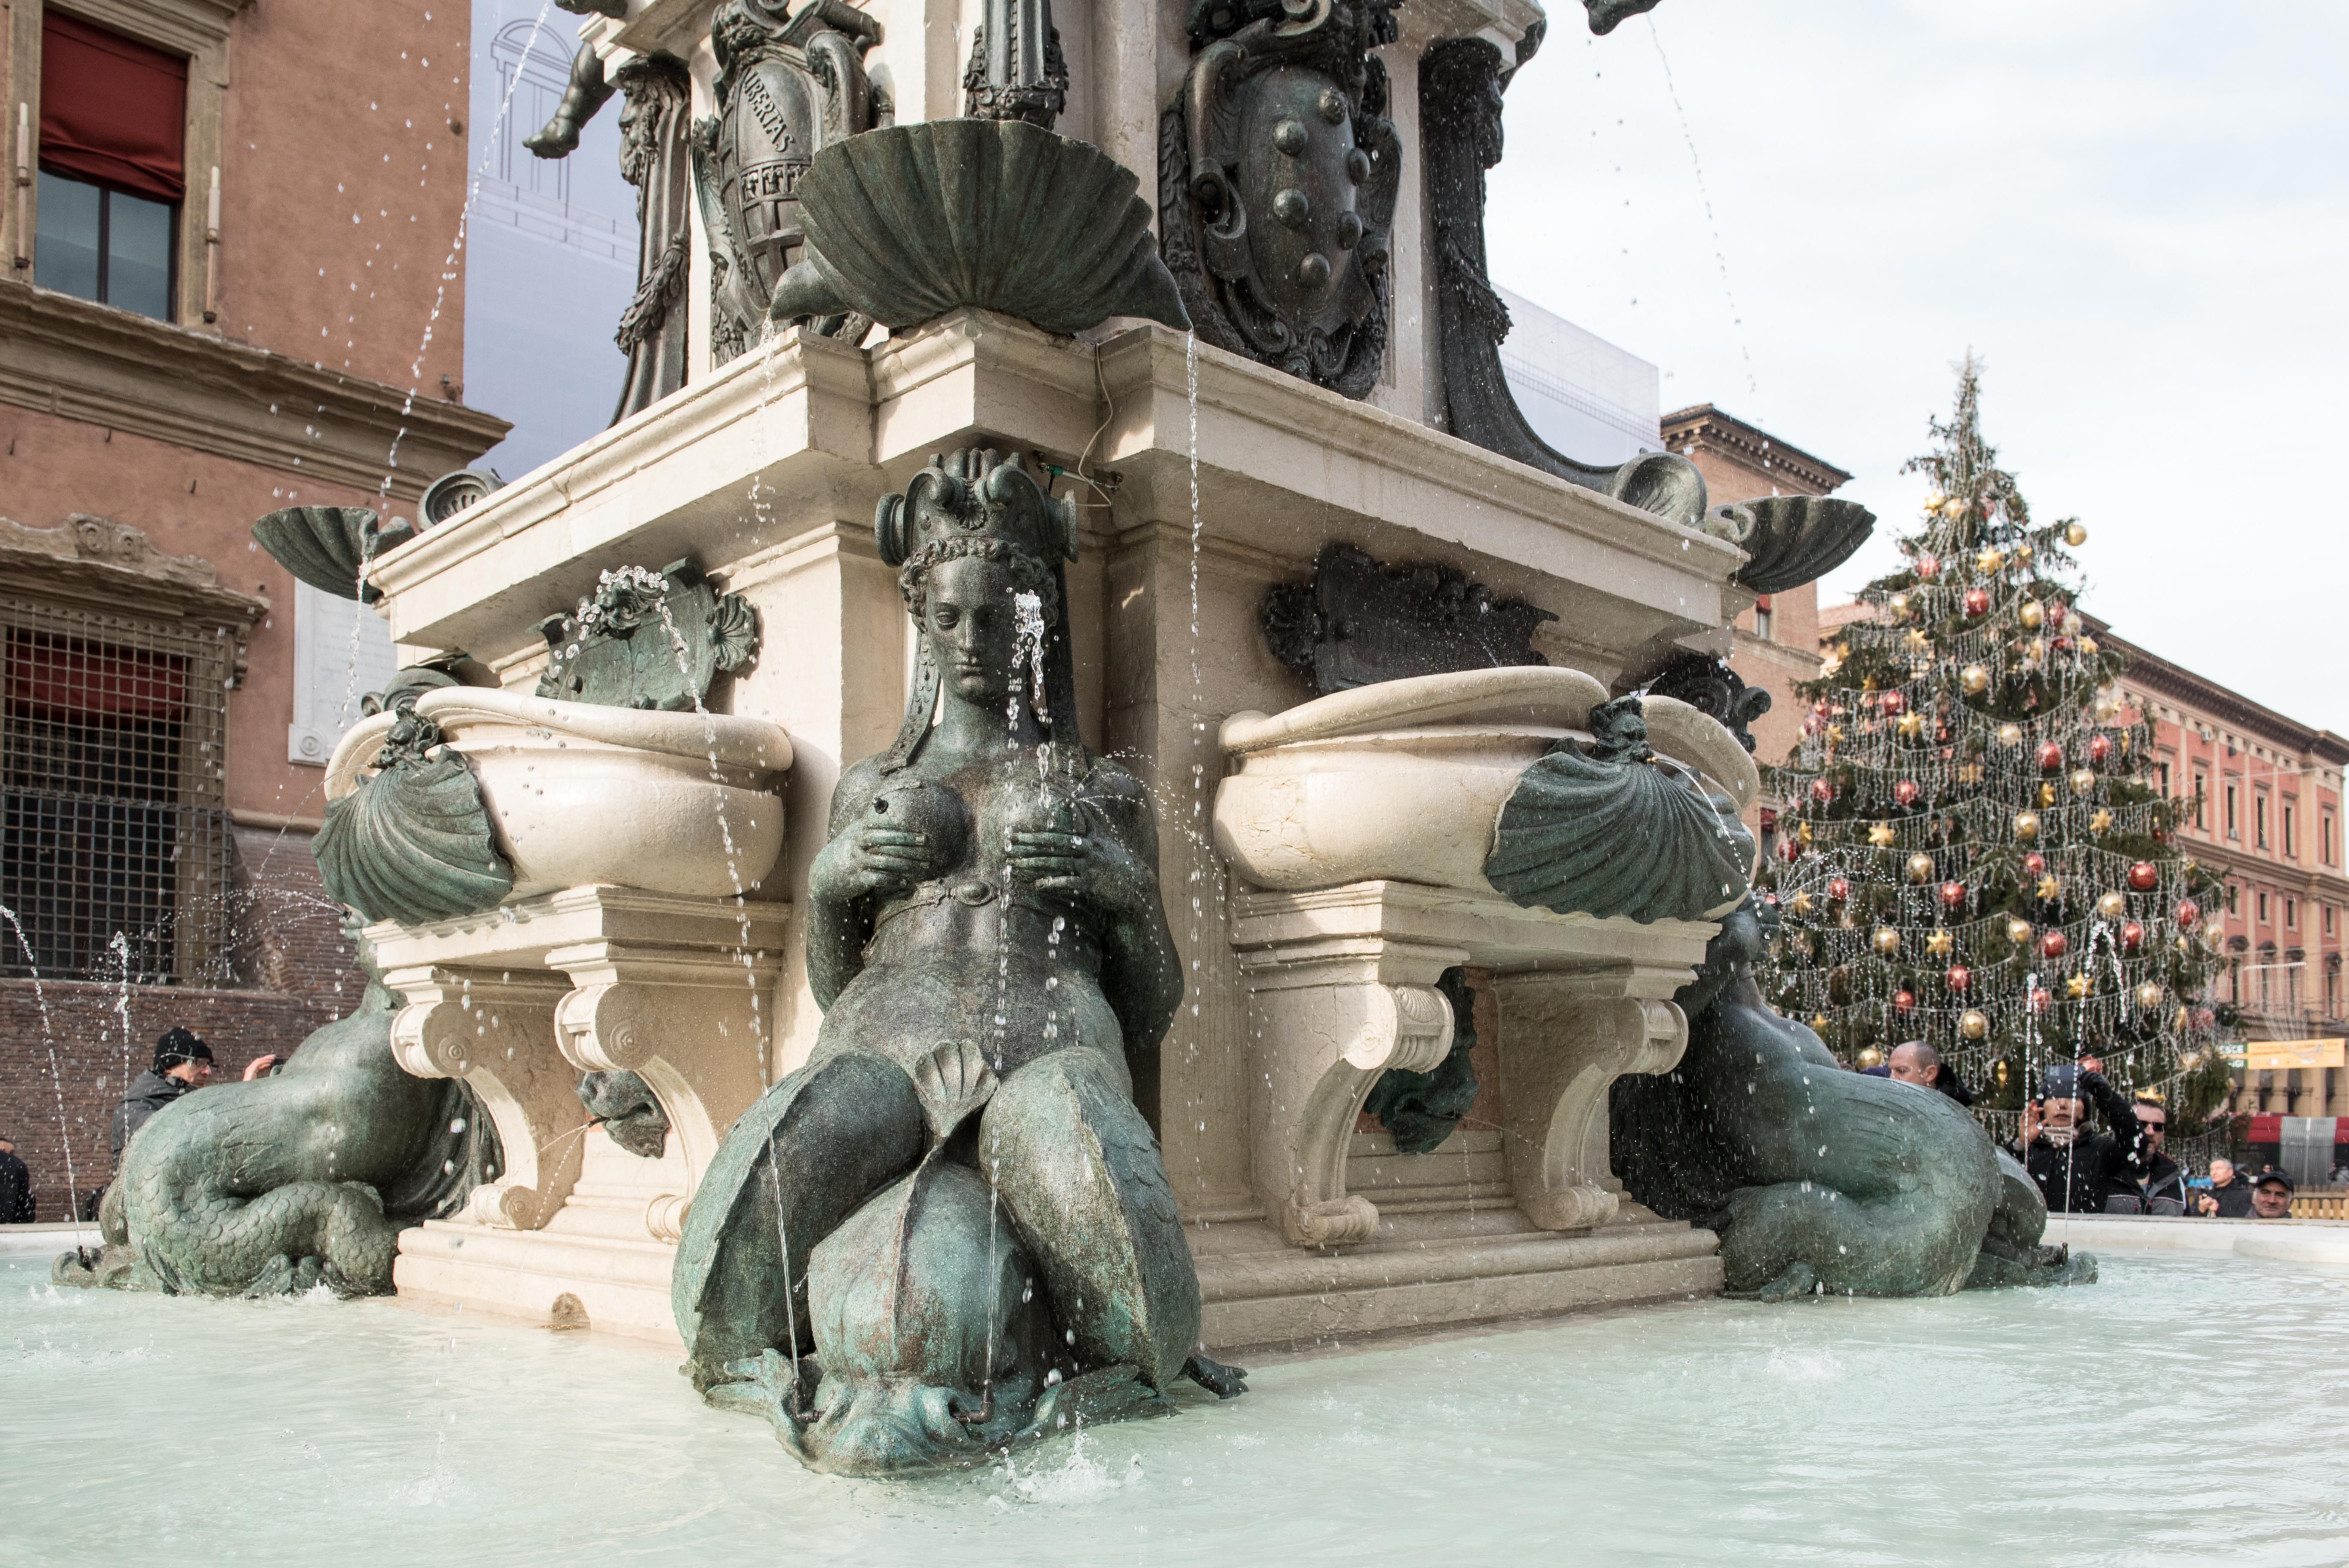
{"points": [[2199, 1403]]}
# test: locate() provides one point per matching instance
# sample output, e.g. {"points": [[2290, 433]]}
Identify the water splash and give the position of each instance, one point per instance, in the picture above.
{"points": [[56, 1076]]}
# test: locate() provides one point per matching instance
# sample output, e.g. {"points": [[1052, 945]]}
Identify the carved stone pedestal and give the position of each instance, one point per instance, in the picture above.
{"points": [[1520, 1219], [519, 1002]]}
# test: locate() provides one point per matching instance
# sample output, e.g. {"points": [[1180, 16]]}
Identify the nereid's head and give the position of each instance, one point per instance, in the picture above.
{"points": [[964, 594]]}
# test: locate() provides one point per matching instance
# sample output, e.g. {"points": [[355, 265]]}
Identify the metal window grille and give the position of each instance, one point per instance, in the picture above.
{"points": [[113, 731]]}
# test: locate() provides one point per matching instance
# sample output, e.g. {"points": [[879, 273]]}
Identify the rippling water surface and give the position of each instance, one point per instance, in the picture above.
{"points": [[2182, 1411]]}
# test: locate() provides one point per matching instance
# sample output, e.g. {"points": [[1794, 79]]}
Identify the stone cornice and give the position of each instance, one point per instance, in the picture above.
{"points": [[2322, 882], [2182, 686], [112, 565], [1750, 445], [90, 363], [185, 25]]}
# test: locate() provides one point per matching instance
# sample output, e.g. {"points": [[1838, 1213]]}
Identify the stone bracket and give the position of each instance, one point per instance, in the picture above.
{"points": [[490, 1028], [1565, 1039], [1325, 1020], [696, 1028]]}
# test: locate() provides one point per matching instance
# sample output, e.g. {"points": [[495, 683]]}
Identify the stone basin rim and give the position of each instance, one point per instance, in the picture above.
{"points": [[1518, 699], [736, 741]]}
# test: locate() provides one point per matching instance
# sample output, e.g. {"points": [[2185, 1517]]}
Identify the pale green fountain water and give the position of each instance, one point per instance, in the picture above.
{"points": [[2201, 1406]]}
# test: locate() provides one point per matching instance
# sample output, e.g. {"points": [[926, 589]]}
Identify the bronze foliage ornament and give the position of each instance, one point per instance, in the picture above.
{"points": [[1278, 175], [788, 86], [647, 640]]}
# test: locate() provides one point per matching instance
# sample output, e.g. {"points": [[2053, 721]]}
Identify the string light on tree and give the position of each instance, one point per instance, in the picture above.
{"points": [[1975, 802]]}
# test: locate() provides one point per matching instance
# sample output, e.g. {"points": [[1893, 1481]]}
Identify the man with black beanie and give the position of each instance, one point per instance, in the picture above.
{"points": [[182, 1062]]}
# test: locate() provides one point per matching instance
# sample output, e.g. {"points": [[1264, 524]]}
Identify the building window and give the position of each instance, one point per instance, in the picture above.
{"points": [[2292, 915], [1762, 617], [2325, 838], [2233, 830], [2263, 908], [2260, 821], [2291, 839], [113, 115], [114, 842], [2230, 898], [2201, 787]]}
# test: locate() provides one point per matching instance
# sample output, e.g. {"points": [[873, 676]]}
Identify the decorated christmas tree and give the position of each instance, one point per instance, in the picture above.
{"points": [[1970, 851]]}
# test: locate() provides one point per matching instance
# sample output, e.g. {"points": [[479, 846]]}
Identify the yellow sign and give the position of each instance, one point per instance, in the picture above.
{"points": [[2276, 1056]]}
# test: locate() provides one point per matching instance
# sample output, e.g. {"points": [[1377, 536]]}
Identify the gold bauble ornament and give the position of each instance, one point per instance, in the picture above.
{"points": [[1898, 606], [2083, 781], [2050, 889], [2010, 735], [2018, 932], [2184, 943], [1921, 867], [1881, 835], [2183, 1020], [1973, 1026], [2026, 825], [1886, 940], [1988, 561], [2076, 987], [2102, 823], [1869, 1056], [2113, 905], [1910, 724], [2075, 535], [1955, 507], [1975, 679], [2148, 995], [2033, 615], [1941, 944], [2035, 650]]}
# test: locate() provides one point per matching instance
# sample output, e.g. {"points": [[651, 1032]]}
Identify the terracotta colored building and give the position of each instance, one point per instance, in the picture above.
{"points": [[231, 233], [2264, 808], [1776, 641]]}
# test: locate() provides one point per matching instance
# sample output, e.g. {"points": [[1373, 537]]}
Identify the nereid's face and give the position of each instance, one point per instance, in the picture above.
{"points": [[967, 619]]}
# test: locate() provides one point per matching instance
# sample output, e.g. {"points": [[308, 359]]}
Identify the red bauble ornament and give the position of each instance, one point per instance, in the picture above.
{"points": [[1929, 566], [1958, 977], [2131, 936], [1839, 889], [1903, 1001], [2035, 864], [1907, 791], [1953, 894], [2060, 645], [2144, 876], [1823, 790], [2050, 756], [2190, 914], [1977, 602], [2054, 944], [2100, 746], [1894, 704], [2040, 999], [1790, 848]]}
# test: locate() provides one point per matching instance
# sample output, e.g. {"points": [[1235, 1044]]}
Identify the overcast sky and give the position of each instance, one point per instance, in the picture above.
{"points": [[2136, 213]]}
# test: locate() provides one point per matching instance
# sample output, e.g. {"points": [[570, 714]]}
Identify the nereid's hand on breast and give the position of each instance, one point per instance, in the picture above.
{"points": [[1087, 869], [870, 859]]}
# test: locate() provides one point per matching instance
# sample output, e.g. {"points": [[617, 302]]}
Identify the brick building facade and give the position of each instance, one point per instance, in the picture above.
{"points": [[1775, 643], [230, 233], [2263, 796]]}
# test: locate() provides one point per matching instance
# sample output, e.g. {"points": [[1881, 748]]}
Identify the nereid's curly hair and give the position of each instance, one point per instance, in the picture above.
{"points": [[1030, 575]]}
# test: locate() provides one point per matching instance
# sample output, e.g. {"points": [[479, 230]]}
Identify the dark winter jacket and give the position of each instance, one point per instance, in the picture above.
{"points": [[2162, 1179], [2076, 1178], [15, 1190], [2234, 1199], [1944, 1079], [151, 1091]]}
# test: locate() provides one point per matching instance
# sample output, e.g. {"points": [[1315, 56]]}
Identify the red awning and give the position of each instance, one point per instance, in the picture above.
{"points": [[112, 111], [2267, 1129], [68, 680]]}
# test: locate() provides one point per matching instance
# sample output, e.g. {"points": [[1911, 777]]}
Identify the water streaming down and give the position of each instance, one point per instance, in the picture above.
{"points": [[56, 1076]]}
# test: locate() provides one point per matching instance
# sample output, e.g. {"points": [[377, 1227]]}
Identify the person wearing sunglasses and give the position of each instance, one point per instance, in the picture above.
{"points": [[2152, 1184]]}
